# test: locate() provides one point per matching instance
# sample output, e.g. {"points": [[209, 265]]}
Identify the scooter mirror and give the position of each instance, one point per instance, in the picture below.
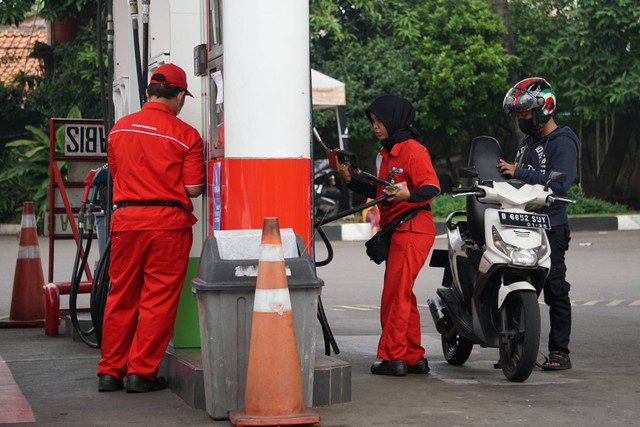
{"points": [[468, 172], [555, 177]]}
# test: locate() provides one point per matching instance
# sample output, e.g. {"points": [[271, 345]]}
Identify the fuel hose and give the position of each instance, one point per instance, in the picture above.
{"points": [[76, 276]]}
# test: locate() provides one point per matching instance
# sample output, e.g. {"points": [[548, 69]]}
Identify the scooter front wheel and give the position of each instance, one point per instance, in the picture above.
{"points": [[520, 337], [456, 349]]}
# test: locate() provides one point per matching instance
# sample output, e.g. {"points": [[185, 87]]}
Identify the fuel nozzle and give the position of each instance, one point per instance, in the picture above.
{"points": [[99, 181], [88, 183]]}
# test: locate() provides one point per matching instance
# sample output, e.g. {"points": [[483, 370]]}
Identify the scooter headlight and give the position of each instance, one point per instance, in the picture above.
{"points": [[518, 256]]}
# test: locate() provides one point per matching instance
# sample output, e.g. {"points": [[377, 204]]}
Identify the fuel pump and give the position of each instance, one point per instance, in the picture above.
{"points": [[94, 199]]}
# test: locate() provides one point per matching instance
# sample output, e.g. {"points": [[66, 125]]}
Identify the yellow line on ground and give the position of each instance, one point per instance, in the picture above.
{"points": [[615, 302], [593, 302], [352, 307]]}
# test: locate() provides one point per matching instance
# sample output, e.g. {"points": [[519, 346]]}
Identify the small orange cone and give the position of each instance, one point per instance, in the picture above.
{"points": [[27, 301], [274, 395]]}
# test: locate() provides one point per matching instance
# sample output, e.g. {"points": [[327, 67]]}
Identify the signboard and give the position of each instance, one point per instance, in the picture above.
{"points": [[83, 139]]}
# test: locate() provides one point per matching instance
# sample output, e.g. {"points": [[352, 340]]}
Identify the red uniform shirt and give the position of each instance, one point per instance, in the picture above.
{"points": [[408, 162], [153, 155]]}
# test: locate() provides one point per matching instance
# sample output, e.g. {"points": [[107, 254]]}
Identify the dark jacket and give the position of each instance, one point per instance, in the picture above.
{"points": [[537, 158]]}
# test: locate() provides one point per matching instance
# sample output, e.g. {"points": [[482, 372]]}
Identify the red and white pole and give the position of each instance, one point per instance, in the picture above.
{"points": [[267, 102]]}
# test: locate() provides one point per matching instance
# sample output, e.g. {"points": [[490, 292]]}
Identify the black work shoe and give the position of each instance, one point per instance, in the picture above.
{"points": [[108, 382], [138, 384], [397, 368], [421, 367]]}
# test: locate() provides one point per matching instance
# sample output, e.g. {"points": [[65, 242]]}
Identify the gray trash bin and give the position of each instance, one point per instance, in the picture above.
{"points": [[225, 289]]}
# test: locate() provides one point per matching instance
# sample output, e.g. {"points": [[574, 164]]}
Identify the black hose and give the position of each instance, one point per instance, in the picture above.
{"points": [[145, 39], [133, 10], [348, 212], [329, 340], [110, 117], [78, 267], [322, 318], [101, 71], [99, 291], [327, 244], [99, 288]]}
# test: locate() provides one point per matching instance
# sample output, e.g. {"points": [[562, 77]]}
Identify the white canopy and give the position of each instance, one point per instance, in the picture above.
{"points": [[327, 92]]}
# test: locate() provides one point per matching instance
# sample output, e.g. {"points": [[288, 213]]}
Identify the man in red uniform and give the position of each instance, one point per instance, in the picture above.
{"points": [[157, 164], [405, 163]]}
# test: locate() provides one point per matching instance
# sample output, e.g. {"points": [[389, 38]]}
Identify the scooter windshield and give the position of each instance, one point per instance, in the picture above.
{"points": [[484, 156]]}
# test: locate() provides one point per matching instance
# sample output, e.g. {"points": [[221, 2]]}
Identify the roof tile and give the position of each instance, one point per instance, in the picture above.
{"points": [[16, 43]]}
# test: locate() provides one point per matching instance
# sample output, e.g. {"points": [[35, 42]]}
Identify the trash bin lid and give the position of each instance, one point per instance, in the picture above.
{"points": [[245, 244]]}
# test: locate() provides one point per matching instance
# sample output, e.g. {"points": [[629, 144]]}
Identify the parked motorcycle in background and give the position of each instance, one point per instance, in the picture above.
{"points": [[497, 260], [326, 190]]}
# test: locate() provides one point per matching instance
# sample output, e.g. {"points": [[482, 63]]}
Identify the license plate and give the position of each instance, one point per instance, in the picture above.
{"points": [[524, 220]]}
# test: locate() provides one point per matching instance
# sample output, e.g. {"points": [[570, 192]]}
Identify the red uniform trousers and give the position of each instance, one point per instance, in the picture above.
{"points": [[399, 315], [147, 272]]}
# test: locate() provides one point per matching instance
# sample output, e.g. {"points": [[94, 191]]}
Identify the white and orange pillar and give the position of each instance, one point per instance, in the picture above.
{"points": [[266, 169]]}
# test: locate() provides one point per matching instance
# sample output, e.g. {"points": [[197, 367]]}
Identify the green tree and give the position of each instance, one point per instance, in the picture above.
{"points": [[27, 174], [13, 117], [72, 81], [69, 82], [445, 56], [589, 51], [463, 70], [14, 11]]}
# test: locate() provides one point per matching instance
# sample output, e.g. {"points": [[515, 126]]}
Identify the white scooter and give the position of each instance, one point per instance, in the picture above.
{"points": [[495, 266]]}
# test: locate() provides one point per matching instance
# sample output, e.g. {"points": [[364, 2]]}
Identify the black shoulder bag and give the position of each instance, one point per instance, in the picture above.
{"points": [[377, 247]]}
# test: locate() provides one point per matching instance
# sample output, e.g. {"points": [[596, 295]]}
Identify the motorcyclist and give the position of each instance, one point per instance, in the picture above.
{"points": [[547, 148]]}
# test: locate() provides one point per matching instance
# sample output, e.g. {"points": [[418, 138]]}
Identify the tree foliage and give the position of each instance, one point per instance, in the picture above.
{"points": [[14, 11], [463, 71], [27, 178], [69, 84], [449, 57], [444, 55], [73, 80], [588, 49]]}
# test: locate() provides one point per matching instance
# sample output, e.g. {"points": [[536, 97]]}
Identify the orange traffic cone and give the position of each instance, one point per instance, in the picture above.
{"points": [[27, 301], [274, 395]]}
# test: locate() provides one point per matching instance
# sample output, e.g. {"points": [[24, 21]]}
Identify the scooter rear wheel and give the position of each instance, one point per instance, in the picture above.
{"points": [[520, 337], [456, 349]]}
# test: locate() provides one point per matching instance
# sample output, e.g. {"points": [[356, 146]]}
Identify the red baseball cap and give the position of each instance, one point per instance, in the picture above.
{"points": [[172, 75]]}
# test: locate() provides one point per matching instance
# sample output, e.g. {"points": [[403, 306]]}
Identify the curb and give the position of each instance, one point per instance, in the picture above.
{"points": [[362, 231], [10, 229]]}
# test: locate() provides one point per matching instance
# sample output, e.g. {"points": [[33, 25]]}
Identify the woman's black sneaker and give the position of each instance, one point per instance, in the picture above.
{"points": [[397, 368], [138, 384], [421, 367], [108, 382]]}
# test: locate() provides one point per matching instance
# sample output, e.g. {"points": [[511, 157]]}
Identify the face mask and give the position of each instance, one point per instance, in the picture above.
{"points": [[527, 127]]}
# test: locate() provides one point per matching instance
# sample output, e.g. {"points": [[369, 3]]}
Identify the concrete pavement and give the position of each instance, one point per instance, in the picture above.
{"points": [[56, 376]]}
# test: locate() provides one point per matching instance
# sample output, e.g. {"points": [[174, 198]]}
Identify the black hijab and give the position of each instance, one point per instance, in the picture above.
{"points": [[396, 114]]}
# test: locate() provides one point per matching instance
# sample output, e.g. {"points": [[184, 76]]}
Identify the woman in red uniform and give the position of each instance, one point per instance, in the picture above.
{"points": [[406, 163]]}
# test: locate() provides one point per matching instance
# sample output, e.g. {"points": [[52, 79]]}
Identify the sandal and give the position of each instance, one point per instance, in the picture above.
{"points": [[557, 361]]}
